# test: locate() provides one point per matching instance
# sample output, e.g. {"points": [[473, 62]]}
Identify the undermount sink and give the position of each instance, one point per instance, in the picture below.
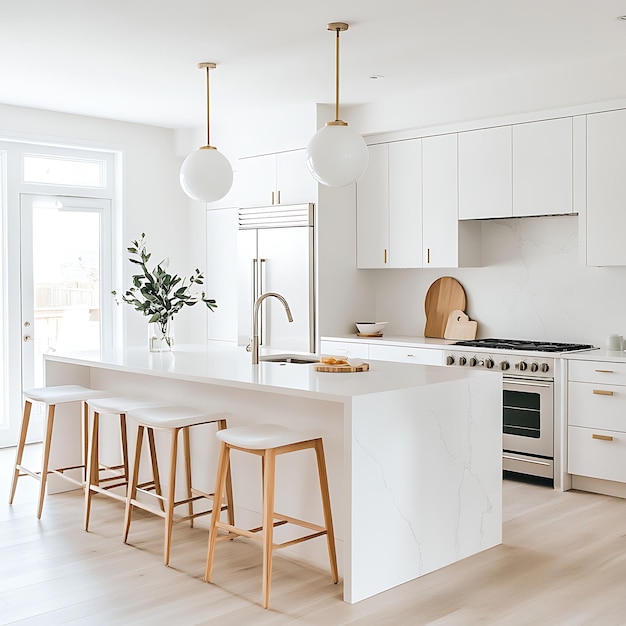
{"points": [[299, 359]]}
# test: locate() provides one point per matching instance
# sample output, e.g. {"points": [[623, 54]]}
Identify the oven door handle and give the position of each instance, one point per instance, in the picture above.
{"points": [[526, 383], [525, 459]]}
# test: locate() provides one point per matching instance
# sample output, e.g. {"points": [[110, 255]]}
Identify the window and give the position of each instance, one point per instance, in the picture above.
{"points": [[52, 170]]}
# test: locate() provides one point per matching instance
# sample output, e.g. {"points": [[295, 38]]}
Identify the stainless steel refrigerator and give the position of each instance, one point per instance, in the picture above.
{"points": [[276, 251]]}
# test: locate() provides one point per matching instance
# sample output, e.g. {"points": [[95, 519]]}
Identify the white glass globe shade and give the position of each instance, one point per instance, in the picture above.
{"points": [[337, 156], [206, 175]]}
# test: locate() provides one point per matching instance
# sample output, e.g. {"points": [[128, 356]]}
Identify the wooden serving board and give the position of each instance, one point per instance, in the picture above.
{"points": [[324, 367], [460, 326], [445, 295]]}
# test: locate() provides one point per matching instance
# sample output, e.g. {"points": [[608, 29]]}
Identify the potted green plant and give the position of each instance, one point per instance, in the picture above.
{"points": [[159, 295]]}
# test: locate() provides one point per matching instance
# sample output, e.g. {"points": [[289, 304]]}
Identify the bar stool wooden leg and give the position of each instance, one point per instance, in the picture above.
{"points": [[132, 487], [187, 455], [124, 442], [169, 512], [155, 468], [328, 518], [91, 465], [223, 471], [46, 458], [28, 405], [84, 431], [221, 425], [269, 458]]}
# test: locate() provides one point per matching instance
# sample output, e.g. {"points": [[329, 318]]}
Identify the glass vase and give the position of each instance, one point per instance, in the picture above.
{"points": [[160, 337]]}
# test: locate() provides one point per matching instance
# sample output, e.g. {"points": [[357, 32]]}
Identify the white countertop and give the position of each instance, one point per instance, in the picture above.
{"points": [[231, 366], [597, 355], [394, 340]]}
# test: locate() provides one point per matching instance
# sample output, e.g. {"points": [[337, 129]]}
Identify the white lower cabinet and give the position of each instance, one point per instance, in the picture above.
{"points": [[378, 352], [597, 420], [597, 453], [406, 354], [345, 349]]}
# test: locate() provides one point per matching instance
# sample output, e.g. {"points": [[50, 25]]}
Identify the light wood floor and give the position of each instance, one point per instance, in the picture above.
{"points": [[563, 562]]}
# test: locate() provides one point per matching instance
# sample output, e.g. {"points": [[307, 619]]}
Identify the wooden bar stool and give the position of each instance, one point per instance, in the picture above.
{"points": [[173, 419], [105, 479], [51, 397], [268, 441]]}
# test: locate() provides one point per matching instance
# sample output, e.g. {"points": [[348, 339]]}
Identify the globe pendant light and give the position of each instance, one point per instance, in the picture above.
{"points": [[337, 155], [206, 174]]}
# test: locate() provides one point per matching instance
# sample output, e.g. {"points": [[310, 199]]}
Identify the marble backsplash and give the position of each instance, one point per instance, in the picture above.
{"points": [[533, 285]]}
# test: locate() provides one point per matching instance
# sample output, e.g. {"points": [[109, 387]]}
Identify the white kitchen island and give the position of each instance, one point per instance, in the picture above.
{"points": [[413, 452]]}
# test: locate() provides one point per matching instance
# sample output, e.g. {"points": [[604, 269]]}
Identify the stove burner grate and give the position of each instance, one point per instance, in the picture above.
{"points": [[521, 344]]}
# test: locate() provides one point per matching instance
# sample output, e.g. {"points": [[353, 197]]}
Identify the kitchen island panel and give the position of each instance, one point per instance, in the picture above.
{"points": [[425, 479], [413, 453]]}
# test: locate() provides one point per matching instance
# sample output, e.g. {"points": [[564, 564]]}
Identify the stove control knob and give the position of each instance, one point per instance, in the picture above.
{"points": [[545, 367], [449, 360], [488, 363], [473, 362], [522, 366], [505, 365], [462, 360], [534, 367]]}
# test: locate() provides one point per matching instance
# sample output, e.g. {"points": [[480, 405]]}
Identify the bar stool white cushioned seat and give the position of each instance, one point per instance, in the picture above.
{"points": [[105, 479], [173, 419], [269, 441], [51, 397]]}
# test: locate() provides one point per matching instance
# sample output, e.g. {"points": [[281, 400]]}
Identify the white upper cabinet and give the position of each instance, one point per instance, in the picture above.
{"points": [[405, 203], [485, 173], [389, 207], [281, 178], [542, 168], [372, 219], [294, 182], [446, 241], [440, 200], [606, 188]]}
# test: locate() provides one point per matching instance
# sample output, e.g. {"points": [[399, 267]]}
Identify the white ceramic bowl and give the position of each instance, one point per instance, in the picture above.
{"points": [[370, 328]]}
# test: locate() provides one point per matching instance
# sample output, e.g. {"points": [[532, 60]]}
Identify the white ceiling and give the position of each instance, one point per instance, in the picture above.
{"points": [[135, 60]]}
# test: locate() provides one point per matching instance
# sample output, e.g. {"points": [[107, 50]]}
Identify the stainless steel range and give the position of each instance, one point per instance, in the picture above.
{"points": [[528, 371]]}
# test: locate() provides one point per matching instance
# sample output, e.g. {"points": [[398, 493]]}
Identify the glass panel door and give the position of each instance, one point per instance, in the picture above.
{"points": [[65, 278]]}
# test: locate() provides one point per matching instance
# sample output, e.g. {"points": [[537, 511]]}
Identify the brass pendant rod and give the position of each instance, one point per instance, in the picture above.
{"points": [[208, 109], [208, 66], [337, 77]]}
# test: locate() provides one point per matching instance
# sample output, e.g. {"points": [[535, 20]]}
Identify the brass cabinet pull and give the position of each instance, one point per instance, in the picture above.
{"points": [[272, 198], [602, 437], [602, 392], [428, 255], [605, 371], [278, 197], [385, 255]]}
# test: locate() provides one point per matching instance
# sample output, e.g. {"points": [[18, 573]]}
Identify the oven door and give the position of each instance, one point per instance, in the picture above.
{"points": [[528, 417]]}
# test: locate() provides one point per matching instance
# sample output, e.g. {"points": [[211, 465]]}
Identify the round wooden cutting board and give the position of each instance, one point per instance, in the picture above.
{"points": [[445, 295]]}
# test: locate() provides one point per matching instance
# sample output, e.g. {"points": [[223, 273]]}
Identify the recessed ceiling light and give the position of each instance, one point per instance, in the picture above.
{"points": [[379, 76]]}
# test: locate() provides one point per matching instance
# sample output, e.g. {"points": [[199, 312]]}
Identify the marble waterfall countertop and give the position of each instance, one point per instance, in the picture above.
{"points": [[231, 366], [413, 451]]}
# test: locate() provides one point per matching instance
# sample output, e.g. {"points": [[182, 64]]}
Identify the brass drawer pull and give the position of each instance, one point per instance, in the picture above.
{"points": [[602, 437], [605, 371], [602, 392]]}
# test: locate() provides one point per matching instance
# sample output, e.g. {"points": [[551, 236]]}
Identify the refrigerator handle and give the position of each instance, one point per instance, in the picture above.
{"points": [[263, 321], [254, 295]]}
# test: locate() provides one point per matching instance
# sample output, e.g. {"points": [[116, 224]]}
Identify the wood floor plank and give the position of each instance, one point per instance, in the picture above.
{"points": [[562, 562]]}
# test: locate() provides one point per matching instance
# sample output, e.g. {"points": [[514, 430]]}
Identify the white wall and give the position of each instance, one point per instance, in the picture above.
{"points": [[151, 199]]}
